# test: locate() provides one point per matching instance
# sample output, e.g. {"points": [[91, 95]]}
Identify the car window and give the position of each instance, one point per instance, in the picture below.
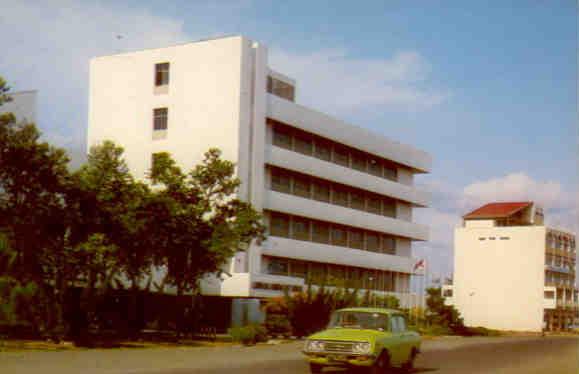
{"points": [[397, 324], [401, 323], [394, 324]]}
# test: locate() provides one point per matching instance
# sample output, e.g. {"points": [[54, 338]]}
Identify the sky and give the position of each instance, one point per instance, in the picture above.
{"points": [[487, 88]]}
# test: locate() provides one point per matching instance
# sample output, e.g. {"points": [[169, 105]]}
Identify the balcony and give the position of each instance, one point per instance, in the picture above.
{"points": [[323, 125], [559, 269], [298, 162], [241, 285], [309, 251], [298, 206]]}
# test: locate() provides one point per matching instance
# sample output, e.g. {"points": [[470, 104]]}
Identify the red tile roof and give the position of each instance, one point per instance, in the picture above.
{"points": [[497, 210]]}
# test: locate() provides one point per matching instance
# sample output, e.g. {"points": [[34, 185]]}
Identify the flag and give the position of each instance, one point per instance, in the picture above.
{"points": [[420, 265]]}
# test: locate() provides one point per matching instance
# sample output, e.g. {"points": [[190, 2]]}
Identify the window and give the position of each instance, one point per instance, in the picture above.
{"points": [[356, 239], [280, 88], [401, 323], [298, 269], [341, 156], [323, 150], [162, 74], [389, 208], [359, 161], [322, 191], [373, 242], [482, 238], [317, 273], [160, 118], [339, 236], [279, 225], [301, 186], [549, 295], [340, 196], [303, 144], [447, 293], [375, 167], [321, 232], [282, 137], [390, 173], [277, 266], [300, 229], [388, 245], [374, 204], [280, 181], [357, 200]]}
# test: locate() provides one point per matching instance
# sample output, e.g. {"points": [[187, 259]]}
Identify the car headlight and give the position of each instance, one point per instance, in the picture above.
{"points": [[361, 348], [314, 346]]}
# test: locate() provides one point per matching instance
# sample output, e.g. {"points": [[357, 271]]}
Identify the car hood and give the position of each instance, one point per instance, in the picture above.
{"points": [[348, 335]]}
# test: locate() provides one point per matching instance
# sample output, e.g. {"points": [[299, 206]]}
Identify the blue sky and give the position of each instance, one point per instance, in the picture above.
{"points": [[488, 88]]}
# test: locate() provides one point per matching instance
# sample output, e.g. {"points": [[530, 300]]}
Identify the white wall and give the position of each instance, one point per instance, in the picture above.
{"points": [[205, 96], [499, 283], [479, 223]]}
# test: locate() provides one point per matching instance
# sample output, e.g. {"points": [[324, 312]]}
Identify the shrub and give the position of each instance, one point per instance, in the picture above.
{"points": [[248, 335], [277, 324], [480, 331], [435, 330]]}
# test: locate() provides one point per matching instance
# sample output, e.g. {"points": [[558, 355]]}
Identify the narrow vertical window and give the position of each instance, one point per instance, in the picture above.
{"points": [[160, 118], [162, 74]]}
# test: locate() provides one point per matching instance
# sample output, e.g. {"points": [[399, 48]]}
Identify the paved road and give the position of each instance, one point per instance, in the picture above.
{"points": [[551, 355]]}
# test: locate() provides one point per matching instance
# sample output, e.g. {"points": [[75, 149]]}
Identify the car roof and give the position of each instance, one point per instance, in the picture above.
{"points": [[371, 310]]}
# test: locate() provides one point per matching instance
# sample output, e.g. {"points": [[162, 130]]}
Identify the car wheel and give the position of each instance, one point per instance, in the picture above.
{"points": [[315, 368], [381, 364], [409, 365]]}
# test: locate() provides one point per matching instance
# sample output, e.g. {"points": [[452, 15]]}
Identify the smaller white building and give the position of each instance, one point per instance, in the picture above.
{"points": [[511, 272]]}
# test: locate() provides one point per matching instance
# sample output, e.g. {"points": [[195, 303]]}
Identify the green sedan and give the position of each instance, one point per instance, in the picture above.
{"points": [[370, 339]]}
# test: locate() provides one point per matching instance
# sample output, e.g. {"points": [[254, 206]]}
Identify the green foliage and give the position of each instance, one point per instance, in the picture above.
{"points": [[443, 315], [310, 311], [199, 221], [248, 335], [99, 223], [4, 97]]}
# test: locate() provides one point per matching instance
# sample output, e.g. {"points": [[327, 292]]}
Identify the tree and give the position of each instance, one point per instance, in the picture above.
{"points": [[4, 97], [199, 221], [34, 181], [442, 314]]}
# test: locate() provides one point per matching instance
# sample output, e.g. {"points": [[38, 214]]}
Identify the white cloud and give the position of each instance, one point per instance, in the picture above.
{"points": [[337, 82], [450, 203], [50, 45]]}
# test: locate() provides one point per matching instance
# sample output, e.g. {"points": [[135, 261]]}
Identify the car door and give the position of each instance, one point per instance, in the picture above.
{"points": [[395, 345], [406, 338]]}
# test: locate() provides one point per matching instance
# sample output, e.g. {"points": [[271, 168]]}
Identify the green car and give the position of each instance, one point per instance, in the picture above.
{"points": [[369, 339]]}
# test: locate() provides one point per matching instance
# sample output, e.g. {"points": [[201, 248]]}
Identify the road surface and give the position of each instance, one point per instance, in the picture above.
{"points": [[531, 355]]}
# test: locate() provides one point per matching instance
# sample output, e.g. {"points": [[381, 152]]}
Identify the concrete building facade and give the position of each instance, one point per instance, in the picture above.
{"points": [[511, 272], [337, 199]]}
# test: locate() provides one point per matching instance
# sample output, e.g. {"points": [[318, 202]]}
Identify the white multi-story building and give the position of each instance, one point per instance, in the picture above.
{"points": [[337, 199], [511, 272]]}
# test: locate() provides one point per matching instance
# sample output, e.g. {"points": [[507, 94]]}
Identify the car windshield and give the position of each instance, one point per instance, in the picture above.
{"points": [[359, 320]]}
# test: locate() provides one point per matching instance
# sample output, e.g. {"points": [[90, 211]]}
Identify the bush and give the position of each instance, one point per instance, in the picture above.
{"points": [[435, 330], [248, 335], [480, 331], [277, 324]]}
